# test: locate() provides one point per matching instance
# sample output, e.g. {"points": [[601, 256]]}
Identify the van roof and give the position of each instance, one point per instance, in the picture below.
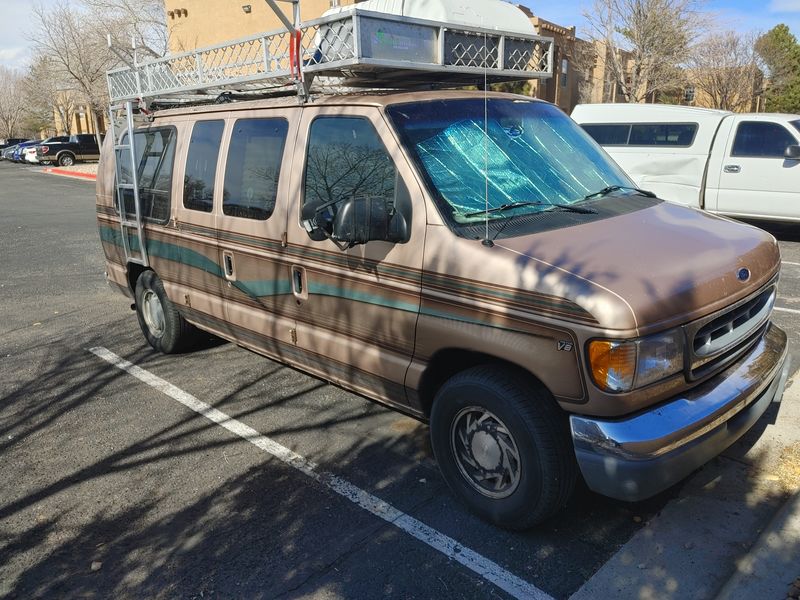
{"points": [[356, 99]]}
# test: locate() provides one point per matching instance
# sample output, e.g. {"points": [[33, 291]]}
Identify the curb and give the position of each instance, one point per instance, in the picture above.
{"points": [[67, 173], [773, 563]]}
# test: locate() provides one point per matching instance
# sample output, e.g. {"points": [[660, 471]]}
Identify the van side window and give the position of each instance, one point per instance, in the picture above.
{"points": [[346, 159], [760, 139], [155, 155], [252, 168], [201, 165]]}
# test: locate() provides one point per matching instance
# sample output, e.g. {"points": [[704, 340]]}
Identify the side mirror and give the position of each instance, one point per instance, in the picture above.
{"points": [[364, 219], [792, 153]]}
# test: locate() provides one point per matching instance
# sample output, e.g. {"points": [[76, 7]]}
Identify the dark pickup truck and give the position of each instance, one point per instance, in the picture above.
{"points": [[79, 148]]}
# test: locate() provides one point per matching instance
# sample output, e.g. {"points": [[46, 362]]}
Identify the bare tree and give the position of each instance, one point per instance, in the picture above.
{"points": [[12, 102], [143, 21], [724, 66], [78, 47], [644, 42], [50, 96]]}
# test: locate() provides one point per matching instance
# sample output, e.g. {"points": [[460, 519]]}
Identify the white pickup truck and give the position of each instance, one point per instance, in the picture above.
{"points": [[743, 165]]}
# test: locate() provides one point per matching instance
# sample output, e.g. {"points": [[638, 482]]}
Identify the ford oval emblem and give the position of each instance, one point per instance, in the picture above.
{"points": [[743, 274]]}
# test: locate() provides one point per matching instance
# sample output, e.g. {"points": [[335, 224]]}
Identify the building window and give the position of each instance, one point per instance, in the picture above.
{"points": [[688, 94], [564, 70]]}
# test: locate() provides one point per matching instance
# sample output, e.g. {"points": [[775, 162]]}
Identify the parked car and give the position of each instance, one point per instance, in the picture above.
{"points": [[81, 147], [10, 142], [32, 153], [743, 165], [17, 154], [7, 152], [473, 259], [29, 155]]}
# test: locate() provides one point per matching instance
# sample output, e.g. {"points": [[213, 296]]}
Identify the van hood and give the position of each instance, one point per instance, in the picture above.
{"points": [[649, 269]]}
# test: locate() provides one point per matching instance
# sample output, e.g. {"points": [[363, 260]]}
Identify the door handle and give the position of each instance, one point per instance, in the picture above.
{"points": [[732, 169], [299, 286], [227, 265]]}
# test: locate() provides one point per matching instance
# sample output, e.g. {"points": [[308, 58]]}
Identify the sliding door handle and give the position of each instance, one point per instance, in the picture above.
{"points": [[227, 265], [299, 284], [732, 169]]}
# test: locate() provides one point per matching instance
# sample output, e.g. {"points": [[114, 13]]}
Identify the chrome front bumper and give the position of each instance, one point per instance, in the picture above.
{"points": [[637, 457]]}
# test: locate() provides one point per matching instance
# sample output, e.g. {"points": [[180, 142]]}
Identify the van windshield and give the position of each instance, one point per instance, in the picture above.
{"points": [[518, 156]]}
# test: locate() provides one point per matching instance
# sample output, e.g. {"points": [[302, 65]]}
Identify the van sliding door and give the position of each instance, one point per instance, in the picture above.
{"points": [[259, 306]]}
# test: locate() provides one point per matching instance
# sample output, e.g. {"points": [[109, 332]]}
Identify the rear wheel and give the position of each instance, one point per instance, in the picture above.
{"points": [[503, 446], [163, 326], [66, 160]]}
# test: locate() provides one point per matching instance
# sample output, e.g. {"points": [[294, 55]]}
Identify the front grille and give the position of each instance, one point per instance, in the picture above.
{"points": [[723, 339]]}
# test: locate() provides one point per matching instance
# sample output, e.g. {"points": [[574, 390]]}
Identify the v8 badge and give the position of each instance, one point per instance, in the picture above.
{"points": [[564, 346]]}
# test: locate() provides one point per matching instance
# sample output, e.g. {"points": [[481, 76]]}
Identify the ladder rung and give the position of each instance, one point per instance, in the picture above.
{"points": [[122, 146], [133, 224], [136, 260], [125, 186]]}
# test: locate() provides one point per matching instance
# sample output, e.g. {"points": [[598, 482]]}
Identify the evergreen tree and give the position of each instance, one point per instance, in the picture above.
{"points": [[780, 51]]}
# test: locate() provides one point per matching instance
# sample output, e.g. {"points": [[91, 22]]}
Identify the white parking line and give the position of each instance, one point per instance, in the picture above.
{"points": [[794, 311], [786, 262], [480, 565]]}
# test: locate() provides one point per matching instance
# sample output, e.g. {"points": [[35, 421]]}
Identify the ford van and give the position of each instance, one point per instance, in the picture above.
{"points": [[472, 259]]}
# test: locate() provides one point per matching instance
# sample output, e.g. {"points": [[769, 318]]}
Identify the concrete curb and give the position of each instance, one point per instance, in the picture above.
{"points": [[67, 173], [773, 562]]}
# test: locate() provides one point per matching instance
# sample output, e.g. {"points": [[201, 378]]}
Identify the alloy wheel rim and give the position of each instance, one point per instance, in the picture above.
{"points": [[485, 452], [153, 313]]}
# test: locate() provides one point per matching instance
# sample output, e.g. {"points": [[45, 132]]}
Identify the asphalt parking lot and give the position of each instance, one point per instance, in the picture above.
{"points": [[219, 473]]}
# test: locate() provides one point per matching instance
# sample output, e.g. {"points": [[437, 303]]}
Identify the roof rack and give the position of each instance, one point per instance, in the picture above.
{"points": [[355, 48]]}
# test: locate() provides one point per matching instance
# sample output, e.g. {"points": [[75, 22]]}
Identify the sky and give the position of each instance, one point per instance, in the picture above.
{"points": [[16, 19]]}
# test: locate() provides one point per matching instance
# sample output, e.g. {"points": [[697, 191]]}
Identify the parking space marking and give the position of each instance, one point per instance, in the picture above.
{"points": [[794, 311], [786, 262], [482, 566]]}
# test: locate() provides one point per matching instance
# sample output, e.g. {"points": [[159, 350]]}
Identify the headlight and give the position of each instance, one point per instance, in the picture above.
{"points": [[620, 366]]}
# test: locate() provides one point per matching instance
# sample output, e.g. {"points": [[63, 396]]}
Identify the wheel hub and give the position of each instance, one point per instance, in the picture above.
{"points": [[153, 313], [485, 452]]}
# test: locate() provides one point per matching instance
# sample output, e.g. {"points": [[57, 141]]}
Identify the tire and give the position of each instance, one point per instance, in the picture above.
{"points": [[47, 163], [165, 329], [66, 160], [503, 446]]}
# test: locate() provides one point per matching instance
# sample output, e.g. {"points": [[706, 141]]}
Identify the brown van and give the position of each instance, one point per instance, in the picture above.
{"points": [[473, 260]]}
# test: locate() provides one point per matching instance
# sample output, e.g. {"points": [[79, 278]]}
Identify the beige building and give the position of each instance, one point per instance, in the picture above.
{"points": [[198, 23]]}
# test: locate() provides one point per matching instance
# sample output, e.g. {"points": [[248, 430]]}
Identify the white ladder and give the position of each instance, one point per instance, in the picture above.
{"points": [[131, 226]]}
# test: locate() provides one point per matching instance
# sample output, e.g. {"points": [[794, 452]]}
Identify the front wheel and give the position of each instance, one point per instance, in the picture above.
{"points": [[503, 446], [66, 160], [163, 326]]}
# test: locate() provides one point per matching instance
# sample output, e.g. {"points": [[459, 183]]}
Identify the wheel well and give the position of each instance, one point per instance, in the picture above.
{"points": [[446, 363], [63, 152], [134, 271]]}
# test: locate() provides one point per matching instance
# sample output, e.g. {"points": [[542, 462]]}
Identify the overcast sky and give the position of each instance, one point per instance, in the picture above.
{"points": [[16, 19]]}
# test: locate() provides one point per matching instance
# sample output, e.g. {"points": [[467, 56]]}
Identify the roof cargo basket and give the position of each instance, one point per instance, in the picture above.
{"points": [[355, 48]]}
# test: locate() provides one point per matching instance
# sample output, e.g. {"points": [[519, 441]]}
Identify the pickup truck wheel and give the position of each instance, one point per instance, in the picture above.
{"points": [[165, 329], [503, 446], [66, 160]]}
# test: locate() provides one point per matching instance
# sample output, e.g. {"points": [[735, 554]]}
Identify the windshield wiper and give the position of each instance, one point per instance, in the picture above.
{"points": [[511, 205], [613, 188]]}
